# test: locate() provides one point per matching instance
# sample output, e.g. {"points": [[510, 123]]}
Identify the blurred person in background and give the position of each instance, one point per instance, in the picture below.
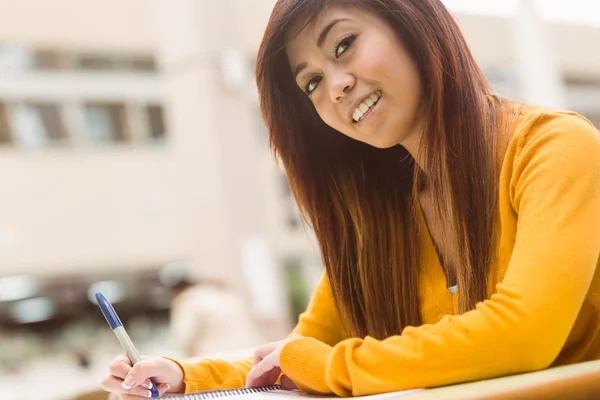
{"points": [[208, 317], [459, 231]]}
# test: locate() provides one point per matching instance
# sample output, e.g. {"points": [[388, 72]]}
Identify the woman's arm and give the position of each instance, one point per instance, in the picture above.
{"points": [[556, 193], [320, 321]]}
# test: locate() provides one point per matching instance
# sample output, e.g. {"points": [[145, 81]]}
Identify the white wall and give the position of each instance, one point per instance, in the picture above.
{"points": [[61, 210], [91, 25]]}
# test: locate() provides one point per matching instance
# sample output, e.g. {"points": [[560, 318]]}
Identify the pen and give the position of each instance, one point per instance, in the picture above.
{"points": [[117, 327]]}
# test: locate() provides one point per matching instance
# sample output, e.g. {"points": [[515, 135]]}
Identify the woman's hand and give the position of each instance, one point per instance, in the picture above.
{"points": [[132, 383], [265, 366]]}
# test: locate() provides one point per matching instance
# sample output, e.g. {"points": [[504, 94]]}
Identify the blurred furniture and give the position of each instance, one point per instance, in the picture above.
{"points": [[94, 395]]}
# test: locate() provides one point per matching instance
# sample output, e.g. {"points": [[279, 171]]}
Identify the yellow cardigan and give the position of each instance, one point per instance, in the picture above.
{"points": [[544, 307]]}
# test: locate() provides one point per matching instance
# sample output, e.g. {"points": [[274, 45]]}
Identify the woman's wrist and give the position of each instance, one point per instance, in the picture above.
{"points": [[178, 375]]}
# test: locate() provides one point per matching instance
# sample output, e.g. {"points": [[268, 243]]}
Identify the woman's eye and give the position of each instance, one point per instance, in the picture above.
{"points": [[344, 45], [312, 85]]}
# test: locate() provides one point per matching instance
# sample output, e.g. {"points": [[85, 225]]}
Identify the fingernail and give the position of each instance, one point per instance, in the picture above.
{"points": [[128, 382], [149, 394], [149, 385], [168, 387]]}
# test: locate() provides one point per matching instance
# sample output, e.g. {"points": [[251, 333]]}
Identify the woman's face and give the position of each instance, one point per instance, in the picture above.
{"points": [[358, 76]]}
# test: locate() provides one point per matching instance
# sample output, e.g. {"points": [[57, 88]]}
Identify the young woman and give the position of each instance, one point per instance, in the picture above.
{"points": [[460, 233]]}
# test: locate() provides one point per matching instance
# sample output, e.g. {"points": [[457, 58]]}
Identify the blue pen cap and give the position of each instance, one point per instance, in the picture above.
{"points": [[109, 312]]}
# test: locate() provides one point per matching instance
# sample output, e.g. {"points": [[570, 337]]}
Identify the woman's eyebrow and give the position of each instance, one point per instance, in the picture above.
{"points": [[299, 68], [321, 39], [327, 29]]}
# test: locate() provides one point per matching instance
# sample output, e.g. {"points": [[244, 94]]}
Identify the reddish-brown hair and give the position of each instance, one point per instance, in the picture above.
{"points": [[360, 200]]}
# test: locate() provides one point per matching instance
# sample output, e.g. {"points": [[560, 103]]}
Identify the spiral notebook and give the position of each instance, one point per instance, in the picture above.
{"points": [[271, 393]]}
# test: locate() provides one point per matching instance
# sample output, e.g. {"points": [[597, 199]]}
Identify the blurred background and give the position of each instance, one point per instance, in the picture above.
{"points": [[134, 161]]}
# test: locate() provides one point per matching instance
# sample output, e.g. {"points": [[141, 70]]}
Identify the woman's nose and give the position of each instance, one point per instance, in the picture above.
{"points": [[340, 86]]}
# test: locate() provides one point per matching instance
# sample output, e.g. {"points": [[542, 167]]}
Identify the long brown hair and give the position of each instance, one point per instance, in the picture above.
{"points": [[360, 200]]}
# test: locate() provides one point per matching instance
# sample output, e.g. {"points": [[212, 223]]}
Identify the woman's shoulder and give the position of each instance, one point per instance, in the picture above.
{"points": [[551, 149], [537, 120], [536, 125]]}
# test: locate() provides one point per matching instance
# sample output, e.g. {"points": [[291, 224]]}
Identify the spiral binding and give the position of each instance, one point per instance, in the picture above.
{"points": [[218, 394]]}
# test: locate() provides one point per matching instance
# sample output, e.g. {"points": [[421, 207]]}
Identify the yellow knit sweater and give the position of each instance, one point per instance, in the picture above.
{"points": [[544, 307]]}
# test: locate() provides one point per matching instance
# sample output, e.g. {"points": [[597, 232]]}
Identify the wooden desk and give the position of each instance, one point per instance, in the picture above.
{"points": [[571, 382]]}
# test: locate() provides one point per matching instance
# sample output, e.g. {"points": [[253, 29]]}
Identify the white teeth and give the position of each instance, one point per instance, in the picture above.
{"points": [[365, 106]]}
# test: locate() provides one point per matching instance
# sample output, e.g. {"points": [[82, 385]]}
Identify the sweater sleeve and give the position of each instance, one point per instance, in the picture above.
{"points": [[320, 321], [555, 191]]}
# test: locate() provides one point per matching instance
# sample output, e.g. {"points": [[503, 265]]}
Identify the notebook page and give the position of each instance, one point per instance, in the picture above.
{"points": [[277, 393]]}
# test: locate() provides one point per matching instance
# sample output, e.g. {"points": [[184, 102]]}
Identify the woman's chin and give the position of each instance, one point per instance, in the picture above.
{"points": [[381, 143]]}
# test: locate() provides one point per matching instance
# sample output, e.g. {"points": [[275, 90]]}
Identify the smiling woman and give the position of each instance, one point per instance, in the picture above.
{"points": [[459, 232]]}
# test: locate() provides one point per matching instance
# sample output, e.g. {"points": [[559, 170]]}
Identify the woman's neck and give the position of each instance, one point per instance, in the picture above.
{"points": [[412, 143]]}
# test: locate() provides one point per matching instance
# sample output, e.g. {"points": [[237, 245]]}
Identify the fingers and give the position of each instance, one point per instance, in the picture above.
{"points": [[257, 358], [138, 392], [134, 394], [287, 383], [142, 372], [267, 379], [123, 358], [261, 374], [261, 352], [270, 378], [111, 384], [163, 388], [114, 385], [120, 366], [134, 382]]}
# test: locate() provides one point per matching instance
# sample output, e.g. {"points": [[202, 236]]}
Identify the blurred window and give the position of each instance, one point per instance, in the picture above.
{"points": [[156, 122], [5, 135], [14, 58], [582, 80], [51, 118], [37, 125], [52, 60], [17, 58], [110, 62], [142, 63], [29, 127], [96, 62], [106, 123]]}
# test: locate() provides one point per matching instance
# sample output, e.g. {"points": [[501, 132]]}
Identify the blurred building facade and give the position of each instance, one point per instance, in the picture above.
{"points": [[130, 136]]}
